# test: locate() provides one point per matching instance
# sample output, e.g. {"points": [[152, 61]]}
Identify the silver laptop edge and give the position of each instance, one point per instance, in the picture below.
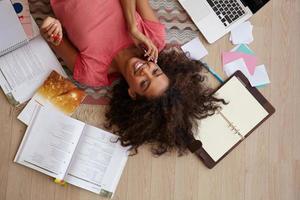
{"points": [[207, 20]]}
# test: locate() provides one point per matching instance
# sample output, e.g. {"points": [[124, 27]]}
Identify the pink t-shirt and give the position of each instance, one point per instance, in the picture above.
{"points": [[98, 30]]}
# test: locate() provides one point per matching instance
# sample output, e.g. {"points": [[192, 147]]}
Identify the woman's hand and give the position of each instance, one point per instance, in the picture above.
{"points": [[51, 30], [145, 44]]}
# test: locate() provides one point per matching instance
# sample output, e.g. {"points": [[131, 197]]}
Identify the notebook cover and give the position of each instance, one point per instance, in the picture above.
{"points": [[11, 31], [195, 146], [22, 9]]}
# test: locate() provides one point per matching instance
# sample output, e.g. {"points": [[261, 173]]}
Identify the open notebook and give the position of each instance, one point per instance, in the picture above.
{"points": [[217, 135], [12, 34]]}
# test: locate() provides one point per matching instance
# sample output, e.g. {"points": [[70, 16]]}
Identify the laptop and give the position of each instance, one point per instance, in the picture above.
{"points": [[215, 18]]}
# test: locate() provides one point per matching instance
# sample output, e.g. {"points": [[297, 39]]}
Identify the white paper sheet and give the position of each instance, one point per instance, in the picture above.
{"points": [[195, 48], [260, 76], [242, 34]]}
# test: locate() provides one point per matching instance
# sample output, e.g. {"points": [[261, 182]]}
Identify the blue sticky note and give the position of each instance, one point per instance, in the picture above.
{"points": [[260, 86], [244, 49]]}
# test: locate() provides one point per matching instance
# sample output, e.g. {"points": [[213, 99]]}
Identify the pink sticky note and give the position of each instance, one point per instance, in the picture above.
{"points": [[250, 60]]}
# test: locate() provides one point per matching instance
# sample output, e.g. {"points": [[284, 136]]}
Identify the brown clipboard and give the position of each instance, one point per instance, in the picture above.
{"points": [[195, 146]]}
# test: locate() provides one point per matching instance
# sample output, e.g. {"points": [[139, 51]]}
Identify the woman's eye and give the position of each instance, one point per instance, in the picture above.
{"points": [[156, 71], [143, 84]]}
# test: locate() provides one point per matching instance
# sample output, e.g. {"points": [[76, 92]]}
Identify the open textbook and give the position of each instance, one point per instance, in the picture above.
{"points": [[73, 151]]}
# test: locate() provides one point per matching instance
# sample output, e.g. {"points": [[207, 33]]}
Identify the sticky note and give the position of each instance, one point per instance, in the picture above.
{"points": [[236, 65], [242, 34], [243, 48], [250, 60], [195, 48], [260, 76]]}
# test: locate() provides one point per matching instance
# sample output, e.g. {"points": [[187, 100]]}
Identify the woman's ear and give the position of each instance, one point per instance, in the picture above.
{"points": [[132, 94]]}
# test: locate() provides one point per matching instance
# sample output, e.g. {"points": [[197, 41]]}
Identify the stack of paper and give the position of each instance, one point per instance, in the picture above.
{"points": [[242, 58], [250, 60], [242, 34]]}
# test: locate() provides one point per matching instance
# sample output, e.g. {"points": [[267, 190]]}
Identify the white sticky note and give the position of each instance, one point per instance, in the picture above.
{"points": [[235, 65], [259, 78], [195, 48], [242, 34]]}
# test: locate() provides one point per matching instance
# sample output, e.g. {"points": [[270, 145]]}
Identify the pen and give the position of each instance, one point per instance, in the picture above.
{"points": [[217, 76]]}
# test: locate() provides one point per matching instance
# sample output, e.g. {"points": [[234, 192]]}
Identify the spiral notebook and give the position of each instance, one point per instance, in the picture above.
{"points": [[217, 135], [12, 33]]}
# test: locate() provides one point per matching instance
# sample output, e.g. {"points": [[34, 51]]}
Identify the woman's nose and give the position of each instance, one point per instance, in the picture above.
{"points": [[144, 70]]}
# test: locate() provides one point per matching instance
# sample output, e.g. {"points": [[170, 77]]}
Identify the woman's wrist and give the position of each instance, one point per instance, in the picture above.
{"points": [[132, 28]]}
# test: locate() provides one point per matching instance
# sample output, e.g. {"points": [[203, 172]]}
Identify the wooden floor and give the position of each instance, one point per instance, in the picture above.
{"points": [[265, 166]]}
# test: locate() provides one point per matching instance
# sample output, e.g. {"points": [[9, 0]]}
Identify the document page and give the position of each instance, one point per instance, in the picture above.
{"points": [[51, 142], [22, 71], [98, 161]]}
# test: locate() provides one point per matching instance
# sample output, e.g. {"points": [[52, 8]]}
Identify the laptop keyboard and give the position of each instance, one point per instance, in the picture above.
{"points": [[227, 10]]}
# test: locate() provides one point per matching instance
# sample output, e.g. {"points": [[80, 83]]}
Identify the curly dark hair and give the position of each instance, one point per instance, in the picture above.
{"points": [[164, 121]]}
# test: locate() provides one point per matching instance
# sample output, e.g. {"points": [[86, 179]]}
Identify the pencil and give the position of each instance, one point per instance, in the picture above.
{"points": [[217, 76]]}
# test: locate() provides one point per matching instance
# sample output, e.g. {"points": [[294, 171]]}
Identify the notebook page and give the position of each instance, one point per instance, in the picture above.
{"points": [[11, 30], [98, 162], [243, 110], [50, 144], [216, 136]]}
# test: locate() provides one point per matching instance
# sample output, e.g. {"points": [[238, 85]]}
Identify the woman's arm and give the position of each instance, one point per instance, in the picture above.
{"points": [[142, 6], [141, 41], [129, 9], [145, 10], [66, 51], [51, 30]]}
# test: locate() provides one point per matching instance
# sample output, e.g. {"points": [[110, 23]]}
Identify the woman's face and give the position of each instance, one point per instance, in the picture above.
{"points": [[145, 78]]}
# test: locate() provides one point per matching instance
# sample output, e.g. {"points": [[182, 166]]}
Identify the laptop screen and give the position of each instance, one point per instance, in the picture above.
{"points": [[255, 5]]}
